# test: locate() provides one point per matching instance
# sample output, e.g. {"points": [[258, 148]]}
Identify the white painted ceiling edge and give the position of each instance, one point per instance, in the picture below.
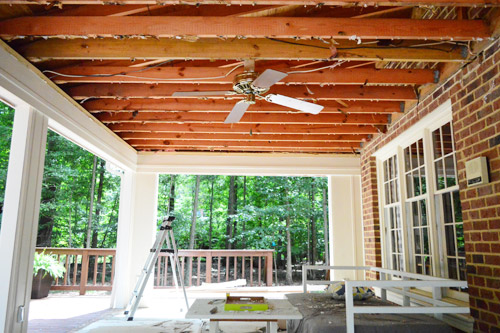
{"points": [[21, 82], [249, 164]]}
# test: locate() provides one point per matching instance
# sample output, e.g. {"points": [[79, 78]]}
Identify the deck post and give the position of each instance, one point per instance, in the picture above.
{"points": [[137, 225], [20, 217], [346, 231]]}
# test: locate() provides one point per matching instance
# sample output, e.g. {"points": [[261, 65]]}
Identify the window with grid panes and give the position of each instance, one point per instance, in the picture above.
{"points": [[392, 213], [416, 209], [448, 206]]}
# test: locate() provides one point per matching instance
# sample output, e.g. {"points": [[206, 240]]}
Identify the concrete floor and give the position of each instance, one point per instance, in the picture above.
{"points": [[164, 312]]}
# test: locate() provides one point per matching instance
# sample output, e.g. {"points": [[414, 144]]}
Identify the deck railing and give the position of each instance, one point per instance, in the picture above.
{"points": [[217, 266], [86, 269], [93, 269]]}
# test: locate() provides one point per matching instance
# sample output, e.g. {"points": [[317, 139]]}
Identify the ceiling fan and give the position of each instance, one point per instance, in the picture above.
{"points": [[252, 85]]}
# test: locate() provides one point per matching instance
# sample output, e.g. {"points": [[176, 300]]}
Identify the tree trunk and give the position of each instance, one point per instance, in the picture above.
{"points": [[325, 227], [91, 208], [195, 211], [230, 212], [211, 213], [95, 231], [288, 242], [243, 227], [314, 251], [171, 199]]}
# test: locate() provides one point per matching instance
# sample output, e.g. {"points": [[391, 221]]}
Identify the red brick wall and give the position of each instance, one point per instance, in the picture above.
{"points": [[475, 95]]}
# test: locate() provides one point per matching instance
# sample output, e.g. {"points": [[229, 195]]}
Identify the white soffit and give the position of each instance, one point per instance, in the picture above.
{"points": [[248, 164], [22, 81]]}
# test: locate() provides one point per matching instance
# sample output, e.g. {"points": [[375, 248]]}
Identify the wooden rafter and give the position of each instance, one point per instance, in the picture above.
{"points": [[245, 128], [246, 144], [269, 2], [244, 137], [262, 149], [136, 104], [106, 74], [212, 49], [230, 27], [131, 90], [256, 117]]}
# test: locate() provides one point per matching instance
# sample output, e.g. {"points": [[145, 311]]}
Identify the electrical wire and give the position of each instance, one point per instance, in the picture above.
{"points": [[370, 47], [126, 74], [317, 69]]}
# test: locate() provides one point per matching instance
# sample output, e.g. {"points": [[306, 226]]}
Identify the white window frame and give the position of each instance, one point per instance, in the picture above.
{"points": [[421, 130]]}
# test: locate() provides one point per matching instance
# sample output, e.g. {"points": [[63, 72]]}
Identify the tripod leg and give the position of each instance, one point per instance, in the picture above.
{"points": [[176, 258]]}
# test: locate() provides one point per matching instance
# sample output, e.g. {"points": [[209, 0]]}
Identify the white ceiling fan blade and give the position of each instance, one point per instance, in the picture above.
{"points": [[202, 93], [237, 112], [268, 78], [294, 103]]}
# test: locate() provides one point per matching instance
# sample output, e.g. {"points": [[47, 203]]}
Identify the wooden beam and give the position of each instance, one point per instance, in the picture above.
{"points": [[468, 3], [245, 128], [248, 118], [212, 49], [100, 10], [116, 74], [131, 90], [244, 137], [263, 149], [137, 104], [218, 143], [249, 27]]}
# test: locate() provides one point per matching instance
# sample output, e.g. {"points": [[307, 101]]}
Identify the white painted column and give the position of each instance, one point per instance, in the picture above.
{"points": [[20, 218], [346, 227], [136, 232]]}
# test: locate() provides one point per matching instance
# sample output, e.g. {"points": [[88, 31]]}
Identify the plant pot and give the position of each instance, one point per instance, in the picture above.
{"points": [[41, 285]]}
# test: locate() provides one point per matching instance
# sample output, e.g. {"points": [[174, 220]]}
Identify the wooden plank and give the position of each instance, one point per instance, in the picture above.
{"points": [[212, 49], [468, 3], [104, 259], [244, 137], [137, 90], [248, 27], [137, 104], [245, 128], [254, 144], [84, 272], [116, 74], [295, 117]]}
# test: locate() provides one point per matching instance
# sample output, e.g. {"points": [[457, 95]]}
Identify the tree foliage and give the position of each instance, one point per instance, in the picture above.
{"points": [[260, 217]]}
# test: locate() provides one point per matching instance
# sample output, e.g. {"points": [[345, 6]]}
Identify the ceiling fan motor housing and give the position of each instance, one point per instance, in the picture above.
{"points": [[243, 84]]}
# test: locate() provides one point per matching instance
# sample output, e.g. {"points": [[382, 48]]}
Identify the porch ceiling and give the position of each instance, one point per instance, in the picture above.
{"points": [[123, 61]]}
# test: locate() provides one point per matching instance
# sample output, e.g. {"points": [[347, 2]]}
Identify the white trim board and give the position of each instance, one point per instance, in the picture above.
{"points": [[248, 164], [23, 82], [431, 121]]}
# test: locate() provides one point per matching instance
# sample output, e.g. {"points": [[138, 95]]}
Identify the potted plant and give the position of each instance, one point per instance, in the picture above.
{"points": [[45, 270]]}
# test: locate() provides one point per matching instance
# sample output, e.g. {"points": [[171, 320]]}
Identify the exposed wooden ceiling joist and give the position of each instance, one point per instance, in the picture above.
{"points": [[137, 104], [265, 2], [212, 49], [249, 27], [256, 117], [131, 90], [246, 144], [245, 137], [245, 128], [291, 150], [107, 74]]}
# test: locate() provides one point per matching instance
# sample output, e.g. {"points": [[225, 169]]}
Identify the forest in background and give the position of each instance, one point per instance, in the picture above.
{"points": [[287, 214]]}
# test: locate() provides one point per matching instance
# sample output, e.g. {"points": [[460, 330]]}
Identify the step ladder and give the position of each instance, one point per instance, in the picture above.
{"points": [[165, 234]]}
